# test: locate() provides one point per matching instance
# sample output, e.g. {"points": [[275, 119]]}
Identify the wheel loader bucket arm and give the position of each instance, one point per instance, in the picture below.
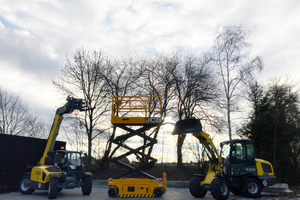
{"points": [[193, 125], [71, 105]]}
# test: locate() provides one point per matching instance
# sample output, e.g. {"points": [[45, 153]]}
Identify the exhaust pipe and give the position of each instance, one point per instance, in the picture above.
{"points": [[185, 126]]}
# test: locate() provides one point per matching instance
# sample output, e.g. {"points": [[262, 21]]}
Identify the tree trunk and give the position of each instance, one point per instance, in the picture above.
{"points": [[89, 148], [180, 141], [107, 154], [228, 119], [274, 153]]}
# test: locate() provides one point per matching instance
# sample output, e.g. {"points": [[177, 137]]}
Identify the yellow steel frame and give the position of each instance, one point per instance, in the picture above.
{"points": [[143, 187], [135, 110], [215, 159], [52, 137]]}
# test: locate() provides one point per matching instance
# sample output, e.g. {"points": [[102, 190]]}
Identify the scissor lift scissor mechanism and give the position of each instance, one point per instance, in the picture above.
{"points": [[138, 116]]}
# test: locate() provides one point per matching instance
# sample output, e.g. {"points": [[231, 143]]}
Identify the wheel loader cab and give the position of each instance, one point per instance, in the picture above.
{"points": [[238, 158]]}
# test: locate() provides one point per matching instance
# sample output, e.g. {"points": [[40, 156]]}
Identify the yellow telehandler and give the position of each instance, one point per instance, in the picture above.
{"points": [[234, 170], [58, 169]]}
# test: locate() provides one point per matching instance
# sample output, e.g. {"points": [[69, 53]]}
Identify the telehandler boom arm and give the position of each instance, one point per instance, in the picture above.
{"points": [[71, 105]]}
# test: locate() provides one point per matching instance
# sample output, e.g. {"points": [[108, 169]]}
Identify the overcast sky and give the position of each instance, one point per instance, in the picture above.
{"points": [[36, 36]]}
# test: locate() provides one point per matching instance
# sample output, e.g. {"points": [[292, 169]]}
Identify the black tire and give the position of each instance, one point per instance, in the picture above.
{"points": [[219, 188], [86, 188], [24, 185], [252, 187], [53, 188], [236, 190], [113, 192], [158, 192], [195, 188]]}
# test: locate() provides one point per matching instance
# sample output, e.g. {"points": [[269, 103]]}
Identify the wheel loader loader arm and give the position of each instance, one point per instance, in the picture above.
{"points": [[192, 125], [71, 105]]}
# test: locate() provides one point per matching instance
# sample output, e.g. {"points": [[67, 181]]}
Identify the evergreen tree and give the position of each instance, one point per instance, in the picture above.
{"points": [[273, 124]]}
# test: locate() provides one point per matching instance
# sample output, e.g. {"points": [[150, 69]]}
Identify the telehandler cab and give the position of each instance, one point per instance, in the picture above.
{"points": [[59, 169], [235, 169]]}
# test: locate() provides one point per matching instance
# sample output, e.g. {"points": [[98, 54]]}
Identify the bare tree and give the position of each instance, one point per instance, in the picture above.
{"points": [[157, 81], [120, 76], [15, 117], [195, 87], [231, 56], [81, 77]]}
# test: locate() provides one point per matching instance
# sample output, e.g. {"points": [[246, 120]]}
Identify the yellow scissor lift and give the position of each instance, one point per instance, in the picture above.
{"points": [[137, 115]]}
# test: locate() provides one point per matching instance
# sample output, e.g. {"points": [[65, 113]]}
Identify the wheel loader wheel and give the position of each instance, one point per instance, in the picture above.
{"points": [[252, 187], [219, 188], [53, 189], [86, 188], [112, 192], [195, 188], [24, 185]]}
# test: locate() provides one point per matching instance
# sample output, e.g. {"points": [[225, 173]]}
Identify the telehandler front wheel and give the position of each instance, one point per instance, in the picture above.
{"points": [[24, 185], [195, 188], [86, 188], [219, 188], [53, 189], [252, 187]]}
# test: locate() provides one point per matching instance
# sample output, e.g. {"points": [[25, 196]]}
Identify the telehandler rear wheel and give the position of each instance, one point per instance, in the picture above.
{"points": [[219, 188], [24, 185], [195, 188], [53, 189]]}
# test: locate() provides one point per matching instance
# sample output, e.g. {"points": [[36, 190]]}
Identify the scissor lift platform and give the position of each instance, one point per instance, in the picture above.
{"points": [[137, 115], [136, 110]]}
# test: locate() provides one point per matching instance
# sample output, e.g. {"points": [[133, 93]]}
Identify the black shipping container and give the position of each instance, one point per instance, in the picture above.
{"points": [[17, 154]]}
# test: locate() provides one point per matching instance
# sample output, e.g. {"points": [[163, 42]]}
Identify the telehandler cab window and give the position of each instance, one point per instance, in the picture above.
{"points": [[74, 160], [61, 159]]}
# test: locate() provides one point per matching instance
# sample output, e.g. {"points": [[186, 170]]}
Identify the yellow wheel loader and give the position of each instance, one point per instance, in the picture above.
{"points": [[59, 169], [234, 170]]}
